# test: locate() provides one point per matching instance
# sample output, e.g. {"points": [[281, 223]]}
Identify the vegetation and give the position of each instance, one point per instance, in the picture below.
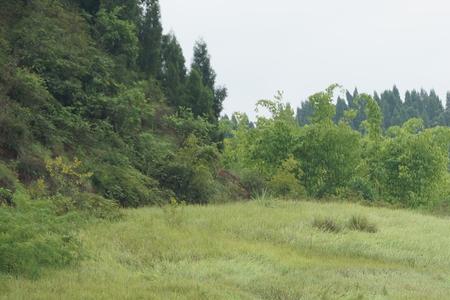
{"points": [[248, 251], [99, 112]]}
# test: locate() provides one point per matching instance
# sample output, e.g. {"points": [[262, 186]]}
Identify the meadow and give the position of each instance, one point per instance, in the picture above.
{"points": [[266, 249]]}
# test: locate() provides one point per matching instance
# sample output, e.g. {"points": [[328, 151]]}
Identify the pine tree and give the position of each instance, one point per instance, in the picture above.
{"points": [[150, 37]]}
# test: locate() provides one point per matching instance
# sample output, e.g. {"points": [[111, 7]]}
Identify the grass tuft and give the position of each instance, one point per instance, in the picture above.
{"points": [[361, 223], [326, 224]]}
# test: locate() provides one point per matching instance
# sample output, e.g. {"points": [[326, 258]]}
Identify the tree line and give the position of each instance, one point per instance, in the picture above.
{"points": [[396, 111]]}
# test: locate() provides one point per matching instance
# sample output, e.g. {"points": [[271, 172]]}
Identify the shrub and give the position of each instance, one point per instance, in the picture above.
{"points": [[415, 167], [6, 197], [253, 181], [191, 172], [326, 224], [90, 205], [67, 176], [33, 238], [363, 188], [13, 129], [285, 182], [7, 178], [361, 223], [126, 185], [329, 155], [31, 166], [38, 189]]}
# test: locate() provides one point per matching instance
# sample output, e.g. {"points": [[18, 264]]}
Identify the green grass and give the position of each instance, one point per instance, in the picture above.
{"points": [[253, 251]]}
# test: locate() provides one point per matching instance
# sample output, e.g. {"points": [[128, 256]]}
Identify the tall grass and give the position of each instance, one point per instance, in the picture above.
{"points": [[245, 251]]}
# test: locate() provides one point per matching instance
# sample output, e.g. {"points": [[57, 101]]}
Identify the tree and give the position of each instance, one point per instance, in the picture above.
{"points": [[198, 97], [117, 36], [202, 63], [324, 110], [341, 107], [150, 37], [173, 70]]}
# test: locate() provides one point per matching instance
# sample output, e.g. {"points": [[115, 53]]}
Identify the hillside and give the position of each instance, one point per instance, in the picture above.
{"points": [[257, 250]]}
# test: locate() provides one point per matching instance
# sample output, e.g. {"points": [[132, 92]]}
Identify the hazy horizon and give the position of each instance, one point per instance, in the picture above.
{"points": [[301, 47]]}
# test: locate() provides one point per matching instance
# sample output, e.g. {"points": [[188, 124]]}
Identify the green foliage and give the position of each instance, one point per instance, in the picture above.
{"points": [[8, 179], [286, 181], [33, 237], [253, 181], [414, 166], [198, 97], [364, 189], [173, 72], [150, 36], [191, 172], [6, 197], [185, 123], [117, 36], [67, 176], [329, 155], [88, 204], [322, 105], [126, 185]]}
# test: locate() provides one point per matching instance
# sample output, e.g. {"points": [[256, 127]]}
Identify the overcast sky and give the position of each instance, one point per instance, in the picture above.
{"points": [[301, 47]]}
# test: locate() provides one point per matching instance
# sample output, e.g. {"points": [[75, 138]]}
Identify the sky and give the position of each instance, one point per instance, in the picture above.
{"points": [[300, 47]]}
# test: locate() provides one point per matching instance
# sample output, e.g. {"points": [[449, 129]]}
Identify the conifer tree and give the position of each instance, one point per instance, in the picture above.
{"points": [[173, 70], [202, 63], [150, 37]]}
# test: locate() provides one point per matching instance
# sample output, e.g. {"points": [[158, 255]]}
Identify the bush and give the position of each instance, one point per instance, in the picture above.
{"points": [[326, 224], [329, 155], [91, 205], [127, 185], [33, 238], [415, 167], [361, 223], [7, 178], [286, 182], [68, 176], [191, 172], [6, 197], [31, 166], [363, 188], [13, 129], [253, 181]]}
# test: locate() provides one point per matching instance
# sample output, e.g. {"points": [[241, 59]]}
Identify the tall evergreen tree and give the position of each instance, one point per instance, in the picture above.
{"points": [[198, 97], [150, 37], [173, 70], [341, 107], [202, 63]]}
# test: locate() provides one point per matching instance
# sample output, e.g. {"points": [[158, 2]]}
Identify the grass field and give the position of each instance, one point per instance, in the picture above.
{"points": [[256, 250]]}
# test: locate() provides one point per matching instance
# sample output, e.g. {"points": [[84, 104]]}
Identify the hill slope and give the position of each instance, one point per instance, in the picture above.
{"points": [[257, 250]]}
